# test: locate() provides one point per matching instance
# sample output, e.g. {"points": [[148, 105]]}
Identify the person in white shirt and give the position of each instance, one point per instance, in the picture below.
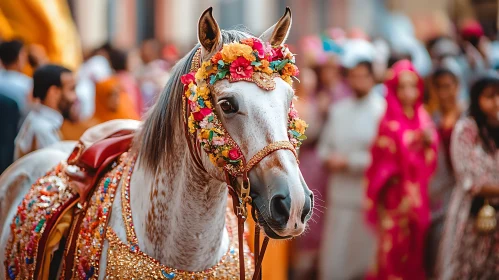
{"points": [[13, 83], [54, 88], [348, 246]]}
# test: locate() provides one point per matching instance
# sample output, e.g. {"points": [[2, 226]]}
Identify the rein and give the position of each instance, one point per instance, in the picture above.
{"points": [[240, 193]]}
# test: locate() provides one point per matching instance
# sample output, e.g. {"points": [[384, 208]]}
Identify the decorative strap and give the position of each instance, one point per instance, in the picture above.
{"points": [[273, 147]]}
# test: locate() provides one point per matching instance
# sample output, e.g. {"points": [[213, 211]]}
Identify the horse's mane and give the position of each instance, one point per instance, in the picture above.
{"points": [[155, 139]]}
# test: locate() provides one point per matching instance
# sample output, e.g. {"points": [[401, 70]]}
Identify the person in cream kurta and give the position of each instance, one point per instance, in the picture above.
{"points": [[348, 246]]}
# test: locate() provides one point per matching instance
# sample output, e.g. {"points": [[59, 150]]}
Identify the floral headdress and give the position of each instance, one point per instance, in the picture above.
{"points": [[248, 60]]}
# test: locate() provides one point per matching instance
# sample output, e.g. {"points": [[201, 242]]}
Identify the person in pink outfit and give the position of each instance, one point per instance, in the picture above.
{"points": [[403, 161]]}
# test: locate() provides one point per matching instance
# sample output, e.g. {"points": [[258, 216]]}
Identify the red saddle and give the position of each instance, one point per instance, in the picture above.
{"points": [[97, 148]]}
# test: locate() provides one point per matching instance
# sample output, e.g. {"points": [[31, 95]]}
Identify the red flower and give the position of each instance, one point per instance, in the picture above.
{"points": [[234, 154], [241, 68], [201, 114], [277, 54], [258, 46], [188, 78]]}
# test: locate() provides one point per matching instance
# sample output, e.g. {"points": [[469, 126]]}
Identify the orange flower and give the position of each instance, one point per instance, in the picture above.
{"points": [[289, 69], [300, 126], [216, 58], [247, 41]]}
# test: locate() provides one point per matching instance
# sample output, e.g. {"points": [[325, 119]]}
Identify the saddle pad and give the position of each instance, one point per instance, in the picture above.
{"points": [[33, 227]]}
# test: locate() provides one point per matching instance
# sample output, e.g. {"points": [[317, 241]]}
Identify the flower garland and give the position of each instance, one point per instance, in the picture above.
{"points": [[247, 60]]}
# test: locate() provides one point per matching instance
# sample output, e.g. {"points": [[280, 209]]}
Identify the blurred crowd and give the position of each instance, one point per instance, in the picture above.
{"points": [[46, 102], [401, 151], [401, 154]]}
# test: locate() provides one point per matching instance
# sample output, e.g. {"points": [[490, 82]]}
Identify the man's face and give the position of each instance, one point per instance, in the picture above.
{"points": [[68, 95], [360, 79]]}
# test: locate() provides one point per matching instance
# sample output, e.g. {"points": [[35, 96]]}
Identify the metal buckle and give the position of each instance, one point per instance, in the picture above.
{"points": [[244, 199]]}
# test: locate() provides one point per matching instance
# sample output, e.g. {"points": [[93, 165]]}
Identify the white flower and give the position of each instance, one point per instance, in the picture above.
{"points": [[218, 141], [204, 123]]}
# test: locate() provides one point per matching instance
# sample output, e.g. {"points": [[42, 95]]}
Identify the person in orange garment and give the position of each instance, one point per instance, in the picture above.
{"points": [[111, 103], [275, 263]]}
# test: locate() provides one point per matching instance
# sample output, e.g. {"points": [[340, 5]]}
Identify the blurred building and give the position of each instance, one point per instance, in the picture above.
{"points": [[128, 22]]}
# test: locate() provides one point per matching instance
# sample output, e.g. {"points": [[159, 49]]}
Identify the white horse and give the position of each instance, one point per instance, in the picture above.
{"points": [[178, 209]]}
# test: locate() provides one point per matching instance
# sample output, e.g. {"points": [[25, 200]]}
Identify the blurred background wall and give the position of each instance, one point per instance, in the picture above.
{"points": [[127, 22]]}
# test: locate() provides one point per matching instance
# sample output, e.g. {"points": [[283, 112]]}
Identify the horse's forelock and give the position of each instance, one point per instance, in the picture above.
{"points": [[155, 141]]}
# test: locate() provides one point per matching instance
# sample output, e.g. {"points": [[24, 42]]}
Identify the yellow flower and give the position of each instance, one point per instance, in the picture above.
{"points": [[225, 153], [205, 70], [287, 79], [234, 50], [213, 158], [190, 124], [218, 131], [205, 134], [200, 74], [204, 92], [208, 104], [300, 126], [264, 67]]}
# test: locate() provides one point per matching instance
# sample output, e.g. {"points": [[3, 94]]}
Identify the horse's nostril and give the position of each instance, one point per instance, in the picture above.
{"points": [[279, 206], [309, 204]]}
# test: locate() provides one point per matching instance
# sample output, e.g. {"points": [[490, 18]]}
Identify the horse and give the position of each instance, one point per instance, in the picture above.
{"points": [[177, 207]]}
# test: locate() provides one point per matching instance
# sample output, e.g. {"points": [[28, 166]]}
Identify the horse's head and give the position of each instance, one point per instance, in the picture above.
{"points": [[254, 118]]}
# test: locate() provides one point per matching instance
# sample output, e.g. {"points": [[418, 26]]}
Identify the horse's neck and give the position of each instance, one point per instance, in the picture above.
{"points": [[179, 215]]}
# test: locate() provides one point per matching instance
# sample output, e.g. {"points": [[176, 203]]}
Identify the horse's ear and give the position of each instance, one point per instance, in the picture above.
{"points": [[278, 33], [209, 35]]}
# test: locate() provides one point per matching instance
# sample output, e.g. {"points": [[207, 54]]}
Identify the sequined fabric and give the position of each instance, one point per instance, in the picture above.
{"points": [[128, 262], [36, 215], [93, 228]]}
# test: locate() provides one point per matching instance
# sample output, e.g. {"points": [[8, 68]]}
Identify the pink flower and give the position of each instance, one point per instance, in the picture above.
{"points": [[293, 113], [241, 68], [297, 72], [193, 106], [201, 114], [234, 154], [258, 46], [188, 78], [267, 47]]}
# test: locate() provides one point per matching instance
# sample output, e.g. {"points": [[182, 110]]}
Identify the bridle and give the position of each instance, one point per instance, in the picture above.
{"points": [[240, 192]]}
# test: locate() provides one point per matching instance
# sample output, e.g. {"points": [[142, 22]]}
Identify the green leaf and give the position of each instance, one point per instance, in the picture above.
{"points": [[255, 53], [282, 64], [222, 74], [211, 135], [210, 118], [213, 79], [274, 64], [235, 162], [302, 137], [256, 63], [221, 63]]}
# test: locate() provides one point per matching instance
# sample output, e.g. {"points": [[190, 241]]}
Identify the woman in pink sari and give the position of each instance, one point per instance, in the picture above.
{"points": [[404, 158]]}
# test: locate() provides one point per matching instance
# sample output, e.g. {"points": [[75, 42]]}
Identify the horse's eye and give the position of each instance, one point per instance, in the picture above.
{"points": [[227, 107]]}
